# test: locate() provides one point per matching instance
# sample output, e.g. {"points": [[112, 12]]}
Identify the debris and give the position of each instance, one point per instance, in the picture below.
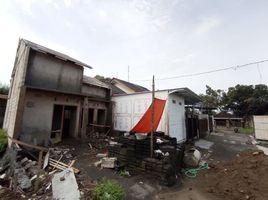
{"points": [[108, 162], [159, 141], [61, 165], [67, 188], [101, 155], [98, 163], [192, 157], [45, 163], [90, 146], [22, 179]]}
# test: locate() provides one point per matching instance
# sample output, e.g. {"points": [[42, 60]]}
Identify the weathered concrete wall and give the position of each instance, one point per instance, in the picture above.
{"points": [[17, 81], [38, 114], [47, 71], [94, 91]]}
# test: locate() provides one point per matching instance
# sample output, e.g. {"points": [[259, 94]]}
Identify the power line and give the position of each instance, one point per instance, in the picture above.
{"points": [[207, 72]]}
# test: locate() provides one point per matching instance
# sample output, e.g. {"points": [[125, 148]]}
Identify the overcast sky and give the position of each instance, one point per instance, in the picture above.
{"points": [[161, 37]]}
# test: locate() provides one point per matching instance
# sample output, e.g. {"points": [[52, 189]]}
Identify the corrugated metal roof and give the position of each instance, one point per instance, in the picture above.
{"points": [[94, 81], [57, 54]]}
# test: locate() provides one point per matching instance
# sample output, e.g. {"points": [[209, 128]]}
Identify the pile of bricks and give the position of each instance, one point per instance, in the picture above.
{"points": [[134, 155]]}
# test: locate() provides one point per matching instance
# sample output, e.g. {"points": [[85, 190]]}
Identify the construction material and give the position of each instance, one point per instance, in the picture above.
{"points": [[64, 185], [108, 163], [61, 165]]}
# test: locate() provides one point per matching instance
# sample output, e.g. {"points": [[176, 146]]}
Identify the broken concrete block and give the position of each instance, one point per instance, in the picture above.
{"points": [[22, 179], [108, 162], [66, 189], [24, 160], [97, 164], [101, 155]]}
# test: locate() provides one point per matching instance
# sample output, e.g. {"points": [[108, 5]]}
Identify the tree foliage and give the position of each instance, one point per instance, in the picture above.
{"points": [[103, 79], [242, 100], [4, 88]]}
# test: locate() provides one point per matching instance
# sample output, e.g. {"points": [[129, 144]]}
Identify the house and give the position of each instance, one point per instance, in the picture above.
{"points": [[3, 103], [123, 87], [128, 109], [50, 99]]}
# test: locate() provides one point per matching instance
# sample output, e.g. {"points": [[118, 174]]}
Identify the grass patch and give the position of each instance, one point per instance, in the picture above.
{"points": [[3, 140], [246, 130], [108, 190]]}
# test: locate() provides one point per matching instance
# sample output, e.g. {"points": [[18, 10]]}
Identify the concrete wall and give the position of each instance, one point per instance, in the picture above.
{"points": [[176, 116], [47, 71], [38, 113], [94, 91], [261, 127], [16, 84]]}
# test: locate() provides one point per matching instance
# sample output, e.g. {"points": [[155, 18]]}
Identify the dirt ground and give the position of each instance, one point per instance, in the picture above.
{"points": [[211, 184]]}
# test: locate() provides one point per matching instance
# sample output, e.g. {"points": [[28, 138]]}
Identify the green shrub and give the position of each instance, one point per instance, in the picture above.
{"points": [[108, 190], [3, 140]]}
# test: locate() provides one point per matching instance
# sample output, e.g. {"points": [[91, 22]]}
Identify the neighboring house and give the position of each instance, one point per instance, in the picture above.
{"points": [[3, 103], [50, 99], [128, 109], [123, 87]]}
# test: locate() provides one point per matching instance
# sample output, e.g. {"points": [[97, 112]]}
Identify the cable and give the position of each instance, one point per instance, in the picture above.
{"points": [[207, 72]]}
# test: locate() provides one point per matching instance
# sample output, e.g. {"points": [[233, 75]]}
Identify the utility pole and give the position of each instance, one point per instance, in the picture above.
{"points": [[152, 129], [128, 73]]}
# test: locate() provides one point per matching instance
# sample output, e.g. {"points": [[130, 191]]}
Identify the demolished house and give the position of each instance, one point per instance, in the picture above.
{"points": [[50, 99], [130, 111]]}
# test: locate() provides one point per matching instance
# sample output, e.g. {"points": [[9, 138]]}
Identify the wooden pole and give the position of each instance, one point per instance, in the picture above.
{"points": [[152, 129]]}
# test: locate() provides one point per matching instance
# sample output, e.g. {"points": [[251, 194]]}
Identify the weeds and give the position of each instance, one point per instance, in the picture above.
{"points": [[108, 190], [3, 140]]}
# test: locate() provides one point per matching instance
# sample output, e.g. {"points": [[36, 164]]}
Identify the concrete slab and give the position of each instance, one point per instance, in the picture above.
{"points": [[64, 186], [264, 149], [204, 144]]}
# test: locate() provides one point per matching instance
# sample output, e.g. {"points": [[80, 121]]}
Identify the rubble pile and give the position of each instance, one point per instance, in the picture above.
{"points": [[134, 155], [23, 174], [245, 177]]}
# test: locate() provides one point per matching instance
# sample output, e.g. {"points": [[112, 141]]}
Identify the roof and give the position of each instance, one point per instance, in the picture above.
{"points": [[189, 95], [95, 82], [134, 87], [57, 54]]}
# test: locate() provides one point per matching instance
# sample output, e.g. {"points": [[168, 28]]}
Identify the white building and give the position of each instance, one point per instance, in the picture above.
{"points": [[129, 108]]}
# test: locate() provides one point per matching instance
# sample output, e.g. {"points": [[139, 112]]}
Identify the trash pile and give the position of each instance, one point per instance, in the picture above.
{"points": [[27, 173], [133, 153], [244, 177]]}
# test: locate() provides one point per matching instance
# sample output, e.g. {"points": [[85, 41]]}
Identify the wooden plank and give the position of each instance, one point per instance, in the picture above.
{"points": [[28, 145]]}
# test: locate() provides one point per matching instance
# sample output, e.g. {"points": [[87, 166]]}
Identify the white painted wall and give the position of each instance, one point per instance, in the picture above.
{"points": [[128, 110], [261, 127], [176, 116]]}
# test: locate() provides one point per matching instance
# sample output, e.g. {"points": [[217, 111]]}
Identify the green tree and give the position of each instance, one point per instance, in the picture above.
{"points": [[103, 79], [212, 98], [4, 88]]}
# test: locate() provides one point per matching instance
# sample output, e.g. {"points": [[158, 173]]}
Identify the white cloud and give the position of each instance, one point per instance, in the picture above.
{"points": [[207, 24]]}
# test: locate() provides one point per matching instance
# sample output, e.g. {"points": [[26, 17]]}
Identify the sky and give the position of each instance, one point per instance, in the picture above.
{"points": [[164, 38]]}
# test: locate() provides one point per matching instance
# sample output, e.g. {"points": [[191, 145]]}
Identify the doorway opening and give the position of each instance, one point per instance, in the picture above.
{"points": [[101, 117], [63, 122]]}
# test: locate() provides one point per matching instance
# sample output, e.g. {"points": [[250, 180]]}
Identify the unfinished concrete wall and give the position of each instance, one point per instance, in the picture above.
{"points": [[49, 72], [94, 91], [38, 114], [16, 88]]}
